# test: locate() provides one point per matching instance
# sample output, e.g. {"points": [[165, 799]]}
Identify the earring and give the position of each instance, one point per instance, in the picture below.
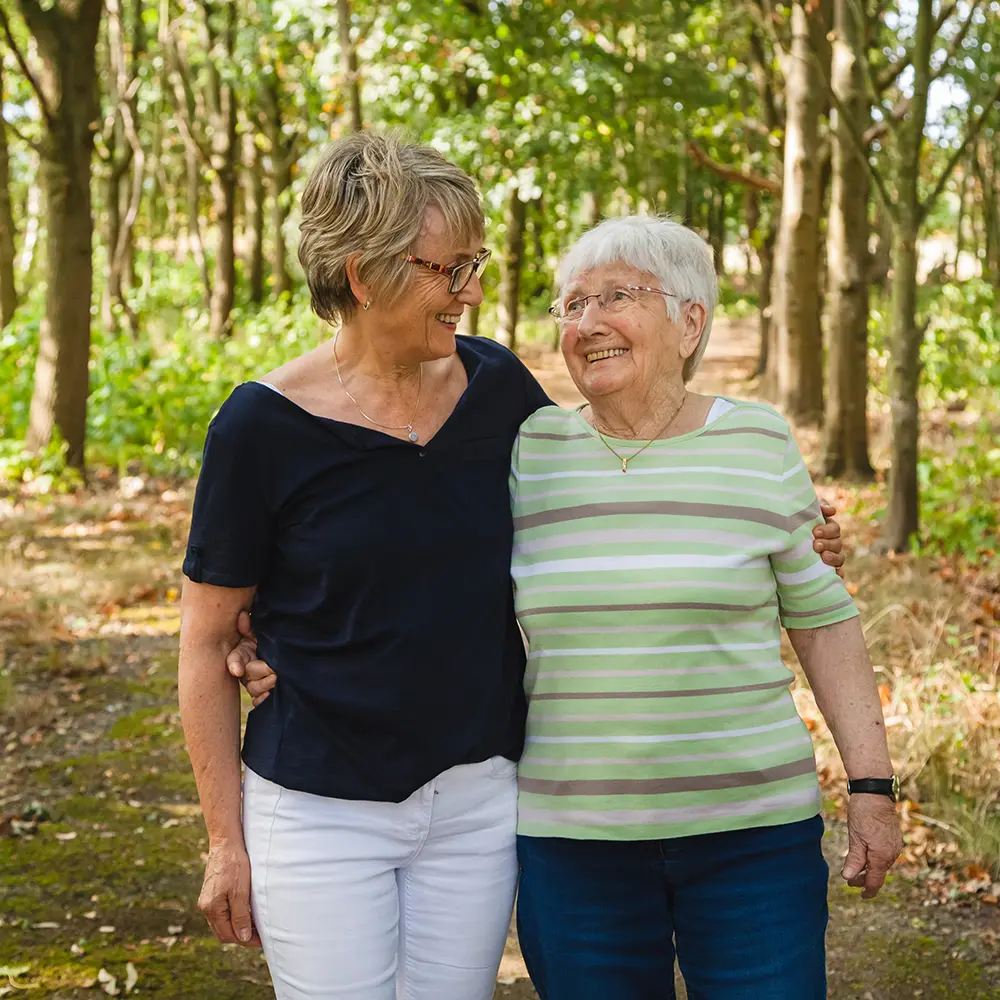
{"points": [[367, 305]]}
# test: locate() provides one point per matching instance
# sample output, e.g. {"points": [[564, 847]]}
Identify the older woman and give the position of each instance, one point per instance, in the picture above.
{"points": [[358, 499], [668, 797]]}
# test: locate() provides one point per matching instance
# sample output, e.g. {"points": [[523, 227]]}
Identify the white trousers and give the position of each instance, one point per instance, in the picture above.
{"points": [[384, 900]]}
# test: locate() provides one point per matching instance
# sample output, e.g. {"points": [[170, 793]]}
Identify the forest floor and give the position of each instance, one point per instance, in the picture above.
{"points": [[101, 839]]}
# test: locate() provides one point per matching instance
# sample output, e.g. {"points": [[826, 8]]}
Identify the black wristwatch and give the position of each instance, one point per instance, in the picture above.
{"points": [[875, 786]]}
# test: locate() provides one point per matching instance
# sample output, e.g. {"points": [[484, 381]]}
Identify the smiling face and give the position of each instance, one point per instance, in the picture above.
{"points": [[425, 318], [637, 351]]}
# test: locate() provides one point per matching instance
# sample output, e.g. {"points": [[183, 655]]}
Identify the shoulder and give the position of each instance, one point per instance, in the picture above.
{"points": [[248, 410], [493, 353], [753, 417], [552, 421]]}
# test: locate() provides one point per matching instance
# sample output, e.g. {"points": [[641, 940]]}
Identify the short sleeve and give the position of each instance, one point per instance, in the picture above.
{"points": [[810, 594], [232, 522]]}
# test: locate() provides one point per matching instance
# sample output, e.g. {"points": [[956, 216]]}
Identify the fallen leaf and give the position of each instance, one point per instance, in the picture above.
{"points": [[108, 982], [131, 977]]}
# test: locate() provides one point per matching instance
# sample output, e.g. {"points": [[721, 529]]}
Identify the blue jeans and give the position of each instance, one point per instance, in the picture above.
{"points": [[746, 911]]}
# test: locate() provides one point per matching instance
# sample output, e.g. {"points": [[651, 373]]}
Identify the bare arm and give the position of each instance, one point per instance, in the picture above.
{"points": [[210, 714], [836, 663]]}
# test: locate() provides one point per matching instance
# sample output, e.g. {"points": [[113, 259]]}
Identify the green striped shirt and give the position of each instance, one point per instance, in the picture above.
{"points": [[652, 603]]}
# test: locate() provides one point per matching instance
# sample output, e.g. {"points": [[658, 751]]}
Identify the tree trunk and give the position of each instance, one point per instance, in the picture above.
{"points": [[984, 164], [221, 101], [113, 222], [254, 195], [963, 189], [510, 282], [689, 183], [751, 219], [349, 64], [903, 520], [279, 213], [470, 322], [764, 300], [282, 161], [798, 333], [8, 288], [224, 280], [717, 227], [192, 167], [67, 46], [845, 449]]}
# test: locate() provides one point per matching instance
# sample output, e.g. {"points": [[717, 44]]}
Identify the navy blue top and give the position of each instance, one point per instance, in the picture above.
{"points": [[384, 599]]}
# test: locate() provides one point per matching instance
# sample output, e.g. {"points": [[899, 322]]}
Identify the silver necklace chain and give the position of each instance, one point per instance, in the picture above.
{"points": [[408, 427], [625, 459]]}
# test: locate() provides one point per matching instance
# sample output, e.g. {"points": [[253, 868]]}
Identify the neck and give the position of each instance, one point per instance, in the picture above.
{"points": [[365, 355], [626, 415]]}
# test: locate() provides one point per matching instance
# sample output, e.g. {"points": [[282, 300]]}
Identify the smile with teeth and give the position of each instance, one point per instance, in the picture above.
{"points": [[446, 318], [614, 352]]}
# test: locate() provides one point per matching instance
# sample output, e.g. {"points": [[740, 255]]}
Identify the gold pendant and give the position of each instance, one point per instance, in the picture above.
{"points": [[624, 465]]}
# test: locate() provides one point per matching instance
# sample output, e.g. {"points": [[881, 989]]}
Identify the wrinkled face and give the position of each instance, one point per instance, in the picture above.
{"points": [[427, 315], [634, 350]]}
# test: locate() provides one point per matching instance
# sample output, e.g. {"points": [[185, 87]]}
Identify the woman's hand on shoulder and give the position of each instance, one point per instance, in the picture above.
{"points": [[255, 675], [827, 540], [225, 895], [875, 841]]}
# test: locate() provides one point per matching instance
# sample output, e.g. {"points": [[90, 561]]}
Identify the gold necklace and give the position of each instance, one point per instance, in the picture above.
{"points": [[412, 434], [625, 459]]}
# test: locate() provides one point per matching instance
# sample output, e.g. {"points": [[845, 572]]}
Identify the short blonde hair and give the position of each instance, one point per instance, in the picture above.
{"points": [[367, 197], [681, 260]]}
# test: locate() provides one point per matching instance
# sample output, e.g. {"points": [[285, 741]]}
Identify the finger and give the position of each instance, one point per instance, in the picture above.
{"points": [[827, 509], [218, 919], [262, 698], [262, 686], [257, 670], [243, 624], [855, 861], [874, 880], [828, 529], [834, 558], [239, 909], [235, 665]]}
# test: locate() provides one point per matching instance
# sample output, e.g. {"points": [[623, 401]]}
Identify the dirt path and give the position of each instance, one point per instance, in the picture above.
{"points": [[100, 835]]}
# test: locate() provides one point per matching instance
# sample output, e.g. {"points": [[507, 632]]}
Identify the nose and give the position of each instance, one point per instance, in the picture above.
{"points": [[591, 322], [472, 294]]}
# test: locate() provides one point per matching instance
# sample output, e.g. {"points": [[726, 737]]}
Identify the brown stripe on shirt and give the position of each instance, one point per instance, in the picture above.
{"points": [[679, 507], [663, 786]]}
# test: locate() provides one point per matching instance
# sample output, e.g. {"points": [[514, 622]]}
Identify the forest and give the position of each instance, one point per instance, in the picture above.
{"points": [[841, 157]]}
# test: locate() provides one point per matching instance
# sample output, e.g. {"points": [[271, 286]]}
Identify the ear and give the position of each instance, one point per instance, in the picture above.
{"points": [[358, 287], [692, 328]]}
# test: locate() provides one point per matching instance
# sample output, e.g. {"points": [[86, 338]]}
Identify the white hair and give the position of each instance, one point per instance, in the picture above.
{"points": [[678, 256]]}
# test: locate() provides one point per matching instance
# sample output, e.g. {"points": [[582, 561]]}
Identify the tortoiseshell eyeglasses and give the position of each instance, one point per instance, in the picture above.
{"points": [[461, 273]]}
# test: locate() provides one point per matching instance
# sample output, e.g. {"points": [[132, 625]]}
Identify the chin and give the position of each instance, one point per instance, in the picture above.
{"points": [[440, 344], [599, 384]]}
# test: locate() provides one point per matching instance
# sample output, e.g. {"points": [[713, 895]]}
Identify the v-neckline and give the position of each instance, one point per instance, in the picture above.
{"points": [[470, 362]]}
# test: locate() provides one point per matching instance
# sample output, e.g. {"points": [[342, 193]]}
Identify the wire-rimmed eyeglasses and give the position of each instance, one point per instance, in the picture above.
{"points": [[612, 299], [460, 273]]}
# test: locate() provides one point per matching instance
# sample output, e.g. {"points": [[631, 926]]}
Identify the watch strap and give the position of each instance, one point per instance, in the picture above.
{"points": [[875, 786]]}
